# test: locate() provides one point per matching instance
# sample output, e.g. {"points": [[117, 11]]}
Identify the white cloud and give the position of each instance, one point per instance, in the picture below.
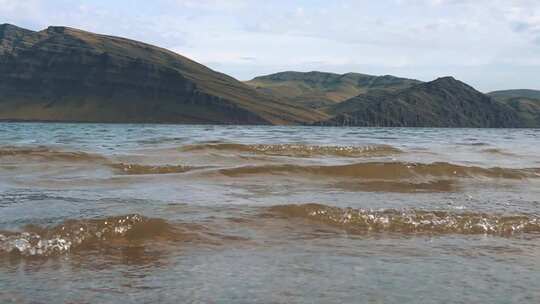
{"points": [[15, 11], [216, 5], [420, 38]]}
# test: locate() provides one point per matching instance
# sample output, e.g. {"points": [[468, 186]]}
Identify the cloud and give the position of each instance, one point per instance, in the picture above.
{"points": [[20, 11], [216, 5], [524, 17], [420, 38]]}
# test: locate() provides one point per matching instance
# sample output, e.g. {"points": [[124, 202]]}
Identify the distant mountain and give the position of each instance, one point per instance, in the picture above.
{"points": [[319, 89], [506, 94], [525, 102], [445, 102], [65, 74]]}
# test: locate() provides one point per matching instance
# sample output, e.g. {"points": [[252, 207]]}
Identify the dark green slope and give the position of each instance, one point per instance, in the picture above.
{"points": [[445, 102], [64, 74], [525, 102], [319, 89], [505, 94]]}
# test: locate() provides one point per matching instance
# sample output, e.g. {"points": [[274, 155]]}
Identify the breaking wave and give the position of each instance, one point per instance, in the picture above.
{"points": [[80, 234], [299, 150], [411, 221]]}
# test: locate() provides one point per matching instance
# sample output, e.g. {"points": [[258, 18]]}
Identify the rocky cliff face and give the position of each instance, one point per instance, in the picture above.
{"points": [[445, 102], [64, 74]]}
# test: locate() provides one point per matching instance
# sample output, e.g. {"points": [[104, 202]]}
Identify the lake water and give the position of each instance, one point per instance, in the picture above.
{"points": [[104, 213]]}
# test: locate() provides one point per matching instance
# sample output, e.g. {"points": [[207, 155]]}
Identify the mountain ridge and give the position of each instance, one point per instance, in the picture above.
{"points": [[70, 75], [318, 89], [65, 74], [522, 93], [524, 101], [444, 102]]}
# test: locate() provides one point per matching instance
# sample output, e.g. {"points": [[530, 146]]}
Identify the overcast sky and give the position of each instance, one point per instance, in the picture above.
{"points": [[491, 44]]}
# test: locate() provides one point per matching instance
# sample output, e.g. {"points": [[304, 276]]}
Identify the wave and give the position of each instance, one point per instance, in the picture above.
{"points": [[128, 231], [76, 234], [411, 221], [298, 150], [47, 154], [401, 186], [386, 171], [136, 169], [114, 234], [498, 151], [474, 144], [160, 140]]}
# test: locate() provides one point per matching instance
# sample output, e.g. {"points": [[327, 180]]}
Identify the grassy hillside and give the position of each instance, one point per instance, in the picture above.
{"points": [[525, 102], [506, 94], [319, 89], [65, 74]]}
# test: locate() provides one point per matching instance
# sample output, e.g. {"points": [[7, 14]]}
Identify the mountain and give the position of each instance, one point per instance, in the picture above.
{"points": [[506, 94], [65, 74], [525, 102], [319, 89], [444, 102]]}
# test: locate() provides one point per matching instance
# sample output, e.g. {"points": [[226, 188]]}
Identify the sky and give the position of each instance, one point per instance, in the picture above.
{"points": [[490, 44]]}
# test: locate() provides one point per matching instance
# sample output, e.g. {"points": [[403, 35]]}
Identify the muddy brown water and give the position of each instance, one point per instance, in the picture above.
{"points": [[98, 213]]}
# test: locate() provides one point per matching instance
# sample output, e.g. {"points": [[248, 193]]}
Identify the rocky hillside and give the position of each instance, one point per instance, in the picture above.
{"points": [[319, 89], [445, 102], [65, 74], [525, 102]]}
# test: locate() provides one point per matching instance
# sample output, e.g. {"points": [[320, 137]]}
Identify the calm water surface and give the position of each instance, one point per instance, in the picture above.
{"points": [[99, 213]]}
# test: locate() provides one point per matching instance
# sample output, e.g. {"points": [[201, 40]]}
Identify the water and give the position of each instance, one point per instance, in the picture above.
{"points": [[233, 214]]}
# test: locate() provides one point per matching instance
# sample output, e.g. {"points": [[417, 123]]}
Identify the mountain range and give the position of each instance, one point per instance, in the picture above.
{"points": [[319, 89], [525, 102], [66, 74]]}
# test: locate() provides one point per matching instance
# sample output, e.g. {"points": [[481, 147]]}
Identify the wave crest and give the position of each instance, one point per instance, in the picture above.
{"points": [[387, 171], [136, 169], [299, 150], [47, 154], [411, 221], [77, 234]]}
